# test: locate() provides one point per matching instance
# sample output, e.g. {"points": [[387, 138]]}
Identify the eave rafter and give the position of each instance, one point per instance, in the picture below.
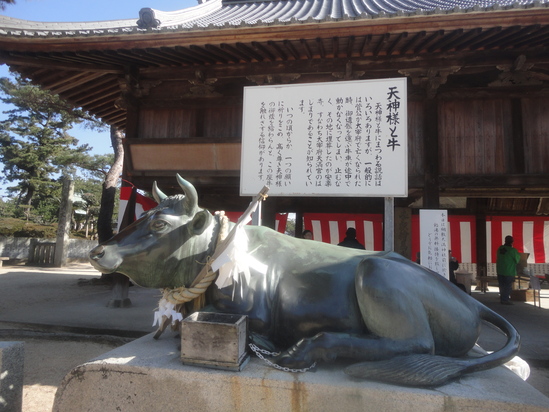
{"points": [[86, 70]]}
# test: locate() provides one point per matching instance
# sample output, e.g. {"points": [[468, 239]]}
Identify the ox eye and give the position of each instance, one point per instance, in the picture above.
{"points": [[159, 225]]}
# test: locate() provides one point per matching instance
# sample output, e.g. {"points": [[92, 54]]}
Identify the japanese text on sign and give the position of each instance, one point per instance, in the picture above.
{"points": [[343, 138], [434, 240]]}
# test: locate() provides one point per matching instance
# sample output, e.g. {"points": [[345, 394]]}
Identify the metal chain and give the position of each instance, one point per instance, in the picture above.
{"points": [[260, 352]]}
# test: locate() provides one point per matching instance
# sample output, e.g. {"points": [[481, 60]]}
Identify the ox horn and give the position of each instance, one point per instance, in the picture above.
{"points": [[158, 195], [191, 196]]}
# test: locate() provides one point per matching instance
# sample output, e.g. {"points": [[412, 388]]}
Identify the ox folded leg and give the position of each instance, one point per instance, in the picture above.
{"points": [[395, 318], [328, 346]]}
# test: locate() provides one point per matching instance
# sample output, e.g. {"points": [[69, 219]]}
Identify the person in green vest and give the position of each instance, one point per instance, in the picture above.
{"points": [[506, 267]]}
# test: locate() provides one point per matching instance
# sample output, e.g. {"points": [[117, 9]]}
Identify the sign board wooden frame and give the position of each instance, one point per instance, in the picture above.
{"points": [[344, 138]]}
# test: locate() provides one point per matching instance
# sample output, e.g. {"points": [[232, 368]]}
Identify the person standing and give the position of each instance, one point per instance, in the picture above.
{"points": [[307, 234], [506, 267], [350, 239]]}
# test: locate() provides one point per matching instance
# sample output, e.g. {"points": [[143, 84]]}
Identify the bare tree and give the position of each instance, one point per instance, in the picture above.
{"points": [[104, 221]]}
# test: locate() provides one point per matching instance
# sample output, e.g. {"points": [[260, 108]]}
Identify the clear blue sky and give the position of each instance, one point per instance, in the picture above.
{"points": [[78, 11]]}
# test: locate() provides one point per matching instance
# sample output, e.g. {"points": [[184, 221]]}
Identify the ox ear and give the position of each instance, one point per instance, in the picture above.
{"points": [[201, 220]]}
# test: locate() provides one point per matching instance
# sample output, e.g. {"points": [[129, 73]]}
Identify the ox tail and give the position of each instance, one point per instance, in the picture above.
{"points": [[423, 370]]}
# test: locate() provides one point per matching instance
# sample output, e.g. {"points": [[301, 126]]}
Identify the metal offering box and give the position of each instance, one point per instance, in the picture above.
{"points": [[215, 340]]}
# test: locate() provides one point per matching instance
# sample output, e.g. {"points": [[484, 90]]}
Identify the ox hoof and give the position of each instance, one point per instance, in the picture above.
{"points": [[286, 360]]}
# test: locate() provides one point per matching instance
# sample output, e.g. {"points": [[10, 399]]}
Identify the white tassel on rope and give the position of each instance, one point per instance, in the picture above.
{"points": [[231, 259], [166, 309], [235, 260]]}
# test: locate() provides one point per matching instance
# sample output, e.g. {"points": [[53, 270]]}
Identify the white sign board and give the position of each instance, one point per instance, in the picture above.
{"points": [[326, 139], [434, 238]]}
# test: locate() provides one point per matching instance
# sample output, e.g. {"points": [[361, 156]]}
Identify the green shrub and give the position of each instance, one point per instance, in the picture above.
{"points": [[12, 227]]}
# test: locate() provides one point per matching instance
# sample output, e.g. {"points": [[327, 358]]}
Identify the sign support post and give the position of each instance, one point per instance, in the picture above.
{"points": [[389, 225]]}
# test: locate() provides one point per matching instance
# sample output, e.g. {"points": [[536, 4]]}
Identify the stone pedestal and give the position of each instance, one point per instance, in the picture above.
{"points": [[148, 375], [12, 357]]}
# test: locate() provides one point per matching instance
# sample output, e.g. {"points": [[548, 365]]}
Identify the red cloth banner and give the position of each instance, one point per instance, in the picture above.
{"points": [[530, 234], [462, 237], [331, 228]]}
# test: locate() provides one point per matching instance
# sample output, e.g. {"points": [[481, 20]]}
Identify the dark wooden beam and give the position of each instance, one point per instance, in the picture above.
{"points": [[425, 43], [384, 39], [222, 54], [479, 38], [430, 149], [445, 40], [291, 48], [321, 49], [335, 46], [203, 55], [307, 49], [278, 50], [365, 44], [350, 46], [233, 50], [249, 51], [395, 43], [412, 42]]}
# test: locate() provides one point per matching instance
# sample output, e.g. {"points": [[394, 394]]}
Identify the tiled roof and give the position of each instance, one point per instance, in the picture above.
{"points": [[219, 14]]}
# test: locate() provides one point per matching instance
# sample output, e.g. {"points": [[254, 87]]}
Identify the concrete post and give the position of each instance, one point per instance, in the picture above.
{"points": [[11, 376]]}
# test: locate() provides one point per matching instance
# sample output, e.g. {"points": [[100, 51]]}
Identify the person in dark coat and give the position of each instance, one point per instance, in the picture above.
{"points": [[350, 239]]}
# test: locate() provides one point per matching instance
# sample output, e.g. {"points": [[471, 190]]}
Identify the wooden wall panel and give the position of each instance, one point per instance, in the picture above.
{"points": [[535, 114], [475, 136], [185, 157], [223, 122], [162, 123], [213, 122], [415, 138]]}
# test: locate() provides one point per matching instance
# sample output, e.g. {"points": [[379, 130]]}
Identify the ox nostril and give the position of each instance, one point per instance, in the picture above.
{"points": [[97, 253]]}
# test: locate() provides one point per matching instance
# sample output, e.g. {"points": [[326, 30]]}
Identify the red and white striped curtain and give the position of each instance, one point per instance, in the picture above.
{"points": [[331, 228], [144, 203], [530, 234], [462, 237]]}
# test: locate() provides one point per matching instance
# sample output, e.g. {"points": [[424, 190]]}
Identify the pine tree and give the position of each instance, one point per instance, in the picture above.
{"points": [[35, 145]]}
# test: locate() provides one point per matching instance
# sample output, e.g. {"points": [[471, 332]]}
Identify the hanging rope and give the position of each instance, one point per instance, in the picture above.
{"points": [[171, 307]]}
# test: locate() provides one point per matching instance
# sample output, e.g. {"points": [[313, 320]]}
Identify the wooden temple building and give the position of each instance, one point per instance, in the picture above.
{"points": [[478, 93]]}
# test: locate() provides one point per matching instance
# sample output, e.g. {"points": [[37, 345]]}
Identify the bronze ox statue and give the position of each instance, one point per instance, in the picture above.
{"points": [[404, 323]]}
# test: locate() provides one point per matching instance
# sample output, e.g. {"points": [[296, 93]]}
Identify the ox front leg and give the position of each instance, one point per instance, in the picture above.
{"points": [[328, 346]]}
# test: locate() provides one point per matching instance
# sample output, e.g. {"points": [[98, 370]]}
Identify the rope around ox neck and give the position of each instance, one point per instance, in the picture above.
{"points": [[177, 297], [181, 295]]}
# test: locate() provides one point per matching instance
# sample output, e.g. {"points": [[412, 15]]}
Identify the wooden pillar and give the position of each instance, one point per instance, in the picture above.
{"points": [[299, 224], [389, 225], [403, 231], [430, 155], [268, 217], [482, 261]]}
